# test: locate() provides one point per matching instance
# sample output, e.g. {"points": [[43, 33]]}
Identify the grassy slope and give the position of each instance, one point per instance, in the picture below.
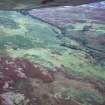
{"points": [[23, 36], [37, 41]]}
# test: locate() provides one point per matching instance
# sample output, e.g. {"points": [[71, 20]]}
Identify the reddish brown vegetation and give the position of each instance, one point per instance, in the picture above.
{"points": [[31, 71], [36, 81], [10, 70]]}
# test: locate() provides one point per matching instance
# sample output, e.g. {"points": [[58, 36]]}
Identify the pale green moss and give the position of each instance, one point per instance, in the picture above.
{"points": [[78, 63]]}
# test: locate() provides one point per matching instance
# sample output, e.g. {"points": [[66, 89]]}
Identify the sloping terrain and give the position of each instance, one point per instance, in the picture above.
{"points": [[50, 63], [82, 29]]}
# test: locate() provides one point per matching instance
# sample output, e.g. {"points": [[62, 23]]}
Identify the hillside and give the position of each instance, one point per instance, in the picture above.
{"points": [[48, 59]]}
